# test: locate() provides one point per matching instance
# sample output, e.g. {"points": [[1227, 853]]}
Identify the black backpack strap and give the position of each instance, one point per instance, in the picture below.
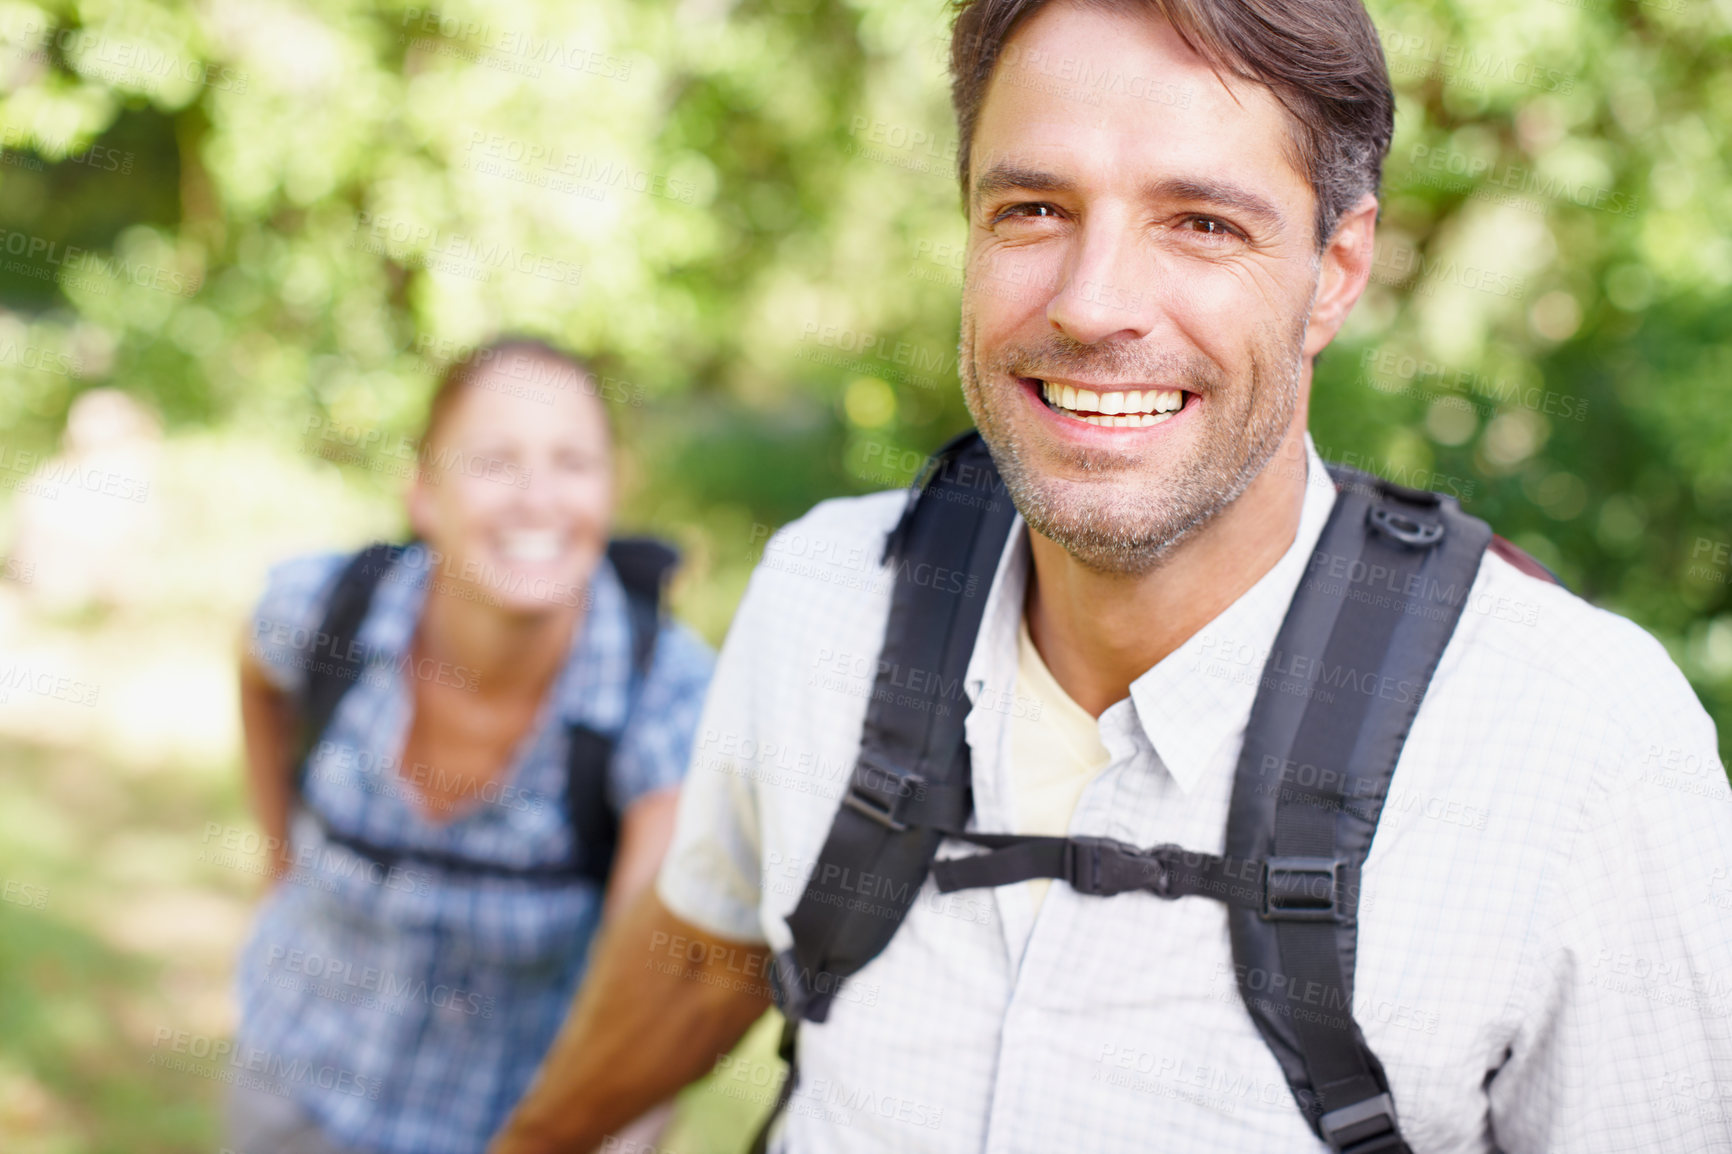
{"points": [[594, 824], [1104, 867], [335, 661], [910, 784], [1368, 624], [643, 565]]}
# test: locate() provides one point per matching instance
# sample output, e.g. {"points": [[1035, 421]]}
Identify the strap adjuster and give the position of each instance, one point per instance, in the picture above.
{"points": [[883, 795], [1409, 530], [1302, 889], [1363, 1128]]}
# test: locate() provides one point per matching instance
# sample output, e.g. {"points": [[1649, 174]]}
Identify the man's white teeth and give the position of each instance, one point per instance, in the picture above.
{"points": [[1126, 409], [1124, 421], [531, 545]]}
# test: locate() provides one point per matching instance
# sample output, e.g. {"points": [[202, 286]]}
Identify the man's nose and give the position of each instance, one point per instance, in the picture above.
{"points": [[1112, 285]]}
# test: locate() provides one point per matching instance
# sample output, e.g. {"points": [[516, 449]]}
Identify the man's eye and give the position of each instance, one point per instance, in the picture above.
{"points": [[1209, 226], [1034, 210]]}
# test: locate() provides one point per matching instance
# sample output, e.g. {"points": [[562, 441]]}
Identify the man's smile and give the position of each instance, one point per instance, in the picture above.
{"points": [[1131, 405]]}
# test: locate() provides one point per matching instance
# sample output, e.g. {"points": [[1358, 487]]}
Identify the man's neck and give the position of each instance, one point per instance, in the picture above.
{"points": [[1098, 632]]}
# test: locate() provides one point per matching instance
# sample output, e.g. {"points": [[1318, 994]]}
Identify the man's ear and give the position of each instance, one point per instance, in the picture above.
{"points": [[1344, 268]]}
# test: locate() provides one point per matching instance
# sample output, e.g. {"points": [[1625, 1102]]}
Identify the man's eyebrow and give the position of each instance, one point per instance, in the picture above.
{"points": [[1218, 192], [1008, 177]]}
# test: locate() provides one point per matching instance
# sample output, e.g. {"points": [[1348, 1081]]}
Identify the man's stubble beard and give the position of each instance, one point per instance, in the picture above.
{"points": [[1131, 533]]}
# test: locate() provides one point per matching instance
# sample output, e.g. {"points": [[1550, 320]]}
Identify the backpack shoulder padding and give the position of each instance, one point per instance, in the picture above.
{"points": [[644, 565], [910, 782], [336, 662], [1368, 623]]}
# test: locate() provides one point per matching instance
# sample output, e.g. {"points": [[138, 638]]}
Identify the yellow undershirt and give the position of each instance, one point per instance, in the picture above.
{"points": [[1055, 751]]}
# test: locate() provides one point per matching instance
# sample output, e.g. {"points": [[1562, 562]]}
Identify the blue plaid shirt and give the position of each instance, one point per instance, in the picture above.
{"points": [[408, 1009]]}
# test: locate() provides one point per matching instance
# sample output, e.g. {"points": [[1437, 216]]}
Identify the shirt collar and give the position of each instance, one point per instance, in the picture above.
{"points": [[994, 656], [1200, 695]]}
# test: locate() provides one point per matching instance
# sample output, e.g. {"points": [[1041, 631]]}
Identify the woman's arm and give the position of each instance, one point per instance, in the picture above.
{"points": [[645, 830], [268, 731]]}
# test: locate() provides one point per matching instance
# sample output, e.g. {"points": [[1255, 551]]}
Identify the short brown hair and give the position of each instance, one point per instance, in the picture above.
{"points": [[503, 352], [1320, 58]]}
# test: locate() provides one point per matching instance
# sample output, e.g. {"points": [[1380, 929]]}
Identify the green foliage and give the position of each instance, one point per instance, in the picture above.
{"points": [[748, 215], [254, 214]]}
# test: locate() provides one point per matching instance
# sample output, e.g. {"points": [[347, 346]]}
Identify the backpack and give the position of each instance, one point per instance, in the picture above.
{"points": [[643, 565], [1385, 586]]}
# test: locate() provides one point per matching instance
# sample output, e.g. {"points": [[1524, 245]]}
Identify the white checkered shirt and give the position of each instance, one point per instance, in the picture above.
{"points": [[1545, 932], [408, 1011]]}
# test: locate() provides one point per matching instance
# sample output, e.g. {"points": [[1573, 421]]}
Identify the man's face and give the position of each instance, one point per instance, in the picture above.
{"points": [[1141, 270]]}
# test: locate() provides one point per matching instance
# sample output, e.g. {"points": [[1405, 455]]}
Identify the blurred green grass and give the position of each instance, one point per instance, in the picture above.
{"points": [[76, 1021]]}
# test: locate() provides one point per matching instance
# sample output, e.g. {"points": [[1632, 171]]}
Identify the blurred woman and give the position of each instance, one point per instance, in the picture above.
{"points": [[468, 750]]}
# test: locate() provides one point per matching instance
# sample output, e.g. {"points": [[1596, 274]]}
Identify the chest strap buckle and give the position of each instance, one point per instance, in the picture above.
{"points": [[1104, 866]]}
